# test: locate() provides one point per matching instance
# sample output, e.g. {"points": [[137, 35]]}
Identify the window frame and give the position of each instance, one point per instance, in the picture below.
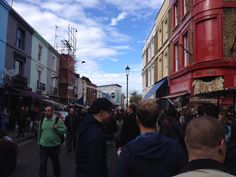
{"points": [[20, 38]]}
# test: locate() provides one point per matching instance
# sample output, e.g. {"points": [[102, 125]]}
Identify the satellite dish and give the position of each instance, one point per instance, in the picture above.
{"points": [[11, 72]]}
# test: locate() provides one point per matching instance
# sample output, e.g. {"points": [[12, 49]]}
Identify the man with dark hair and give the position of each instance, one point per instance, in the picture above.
{"points": [[72, 123], [150, 154], [129, 130], [91, 145], [206, 148]]}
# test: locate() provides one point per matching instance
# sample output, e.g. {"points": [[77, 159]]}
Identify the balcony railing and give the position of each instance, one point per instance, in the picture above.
{"points": [[40, 86]]}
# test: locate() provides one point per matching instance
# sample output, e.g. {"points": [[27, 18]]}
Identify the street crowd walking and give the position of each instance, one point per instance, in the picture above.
{"points": [[145, 140]]}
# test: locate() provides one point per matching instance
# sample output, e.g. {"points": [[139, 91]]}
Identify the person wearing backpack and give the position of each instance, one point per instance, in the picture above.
{"points": [[50, 138]]}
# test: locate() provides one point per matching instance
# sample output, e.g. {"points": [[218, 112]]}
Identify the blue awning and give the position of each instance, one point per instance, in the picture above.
{"points": [[154, 88]]}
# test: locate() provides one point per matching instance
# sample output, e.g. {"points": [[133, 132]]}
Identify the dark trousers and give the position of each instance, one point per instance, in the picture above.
{"points": [[71, 140], [53, 154]]}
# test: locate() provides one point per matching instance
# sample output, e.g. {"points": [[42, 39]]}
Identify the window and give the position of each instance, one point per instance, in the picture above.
{"points": [[113, 95], [39, 76], [54, 63], [165, 65], [160, 75], [40, 52], [176, 14], [165, 33], [152, 74], [186, 49], [53, 82], [152, 48], [149, 76], [177, 63], [19, 67], [20, 34], [185, 6]]}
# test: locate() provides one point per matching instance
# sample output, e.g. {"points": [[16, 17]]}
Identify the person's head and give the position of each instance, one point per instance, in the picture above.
{"points": [[204, 137], [147, 113], [48, 111], [208, 110], [101, 109], [132, 108], [72, 111]]}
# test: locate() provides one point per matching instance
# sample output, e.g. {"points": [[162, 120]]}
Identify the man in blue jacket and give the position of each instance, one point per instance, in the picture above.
{"points": [[150, 154], [91, 145]]}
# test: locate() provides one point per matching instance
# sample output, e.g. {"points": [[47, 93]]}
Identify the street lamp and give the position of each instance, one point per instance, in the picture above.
{"points": [[127, 69]]}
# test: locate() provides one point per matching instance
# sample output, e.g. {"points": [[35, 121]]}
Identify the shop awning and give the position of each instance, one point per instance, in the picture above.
{"points": [[27, 93], [53, 102], [155, 88]]}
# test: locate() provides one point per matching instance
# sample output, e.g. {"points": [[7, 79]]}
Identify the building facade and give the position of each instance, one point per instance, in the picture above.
{"points": [[155, 54], [113, 90], [202, 44], [66, 78], [39, 64], [200, 48], [4, 10], [89, 91], [52, 73]]}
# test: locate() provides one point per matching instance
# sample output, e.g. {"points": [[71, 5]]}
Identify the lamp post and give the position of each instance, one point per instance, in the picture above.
{"points": [[127, 69]]}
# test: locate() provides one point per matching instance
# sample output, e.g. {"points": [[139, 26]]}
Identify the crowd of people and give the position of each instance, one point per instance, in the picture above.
{"points": [[145, 140]]}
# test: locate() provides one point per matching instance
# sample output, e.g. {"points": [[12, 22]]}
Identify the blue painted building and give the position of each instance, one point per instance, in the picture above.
{"points": [[4, 11]]}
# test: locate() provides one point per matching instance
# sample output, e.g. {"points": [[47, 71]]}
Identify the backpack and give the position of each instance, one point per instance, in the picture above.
{"points": [[62, 137]]}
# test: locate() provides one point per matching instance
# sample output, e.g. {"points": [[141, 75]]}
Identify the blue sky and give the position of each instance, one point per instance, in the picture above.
{"points": [[111, 33]]}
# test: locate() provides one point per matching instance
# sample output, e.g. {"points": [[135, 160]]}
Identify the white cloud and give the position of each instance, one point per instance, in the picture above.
{"points": [[135, 6], [120, 17], [97, 39]]}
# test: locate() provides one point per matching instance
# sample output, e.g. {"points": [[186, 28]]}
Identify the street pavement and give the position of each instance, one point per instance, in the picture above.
{"points": [[28, 161]]}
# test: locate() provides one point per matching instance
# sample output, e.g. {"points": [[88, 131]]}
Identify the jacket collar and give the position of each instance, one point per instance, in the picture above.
{"points": [[204, 164]]}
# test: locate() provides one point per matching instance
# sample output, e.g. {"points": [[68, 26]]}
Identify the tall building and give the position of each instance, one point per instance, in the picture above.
{"points": [[202, 45], [155, 55], [89, 91], [201, 48]]}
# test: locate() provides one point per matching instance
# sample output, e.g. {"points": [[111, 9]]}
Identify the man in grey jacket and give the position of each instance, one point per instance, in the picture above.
{"points": [[206, 148]]}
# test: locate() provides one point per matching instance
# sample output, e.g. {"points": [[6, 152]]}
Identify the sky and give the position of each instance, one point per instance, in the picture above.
{"points": [[110, 34]]}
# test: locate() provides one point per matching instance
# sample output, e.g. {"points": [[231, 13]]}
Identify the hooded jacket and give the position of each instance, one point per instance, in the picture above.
{"points": [[91, 149], [151, 155]]}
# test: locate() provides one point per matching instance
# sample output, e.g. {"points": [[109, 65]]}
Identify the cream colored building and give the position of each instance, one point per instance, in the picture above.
{"points": [[155, 53]]}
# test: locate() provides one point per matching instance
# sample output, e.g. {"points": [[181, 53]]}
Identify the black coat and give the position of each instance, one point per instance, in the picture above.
{"points": [[151, 155], [230, 159], [91, 149], [129, 129]]}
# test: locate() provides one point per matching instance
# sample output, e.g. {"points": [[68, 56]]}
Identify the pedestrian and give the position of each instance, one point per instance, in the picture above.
{"points": [[21, 122], [111, 128], [150, 154], [71, 122], [130, 128], [205, 141], [91, 145], [50, 131], [230, 159]]}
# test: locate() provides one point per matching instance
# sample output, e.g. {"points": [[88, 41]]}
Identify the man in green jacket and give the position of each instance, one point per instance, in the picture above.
{"points": [[49, 140]]}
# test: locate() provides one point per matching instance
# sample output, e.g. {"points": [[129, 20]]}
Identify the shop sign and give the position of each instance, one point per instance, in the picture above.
{"points": [[201, 86]]}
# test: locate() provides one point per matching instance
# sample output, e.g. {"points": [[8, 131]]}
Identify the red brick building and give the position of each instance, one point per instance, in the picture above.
{"points": [[66, 78], [202, 44], [90, 91]]}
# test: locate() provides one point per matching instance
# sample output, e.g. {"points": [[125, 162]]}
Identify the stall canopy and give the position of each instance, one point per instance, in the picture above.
{"points": [[27, 93], [155, 88]]}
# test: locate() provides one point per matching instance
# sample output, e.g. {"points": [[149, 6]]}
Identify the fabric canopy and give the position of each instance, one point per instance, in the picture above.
{"points": [[28, 93], [154, 88]]}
